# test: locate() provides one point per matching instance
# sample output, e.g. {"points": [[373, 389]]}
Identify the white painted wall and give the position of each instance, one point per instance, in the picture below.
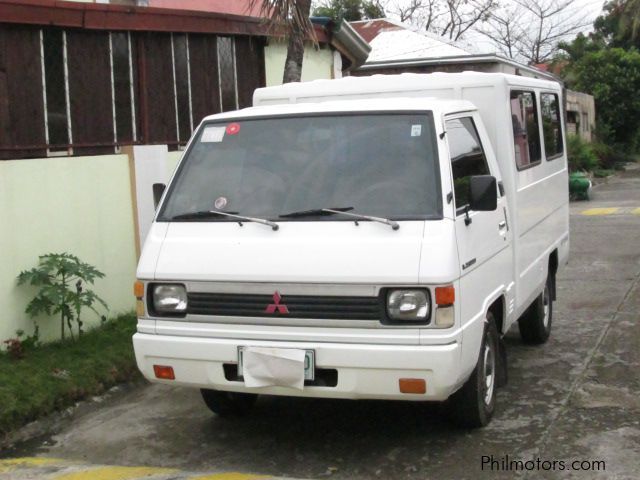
{"points": [[316, 64]]}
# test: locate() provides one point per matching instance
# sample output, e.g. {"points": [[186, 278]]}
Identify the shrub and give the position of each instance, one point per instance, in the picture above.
{"points": [[15, 349], [610, 157], [62, 279], [581, 154]]}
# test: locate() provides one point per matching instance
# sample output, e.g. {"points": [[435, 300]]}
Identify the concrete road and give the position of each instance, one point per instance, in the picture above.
{"points": [[575, 398]]}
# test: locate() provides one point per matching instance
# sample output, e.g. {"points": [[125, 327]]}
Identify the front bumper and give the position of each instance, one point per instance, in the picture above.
{"points": [[365, 371]]}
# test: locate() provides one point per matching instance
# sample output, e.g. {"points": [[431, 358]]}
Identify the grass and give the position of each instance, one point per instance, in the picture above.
{"points": [[56, 375]]}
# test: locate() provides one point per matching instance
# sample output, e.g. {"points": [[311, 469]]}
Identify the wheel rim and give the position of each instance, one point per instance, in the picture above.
{"points": [[546, 307], [489, 372]]}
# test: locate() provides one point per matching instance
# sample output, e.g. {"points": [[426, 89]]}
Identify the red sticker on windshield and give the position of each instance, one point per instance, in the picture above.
{"points": [[233, 129]]}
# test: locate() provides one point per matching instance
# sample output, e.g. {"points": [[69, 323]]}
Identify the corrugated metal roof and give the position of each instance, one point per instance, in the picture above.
{"points": [[404, 44]]}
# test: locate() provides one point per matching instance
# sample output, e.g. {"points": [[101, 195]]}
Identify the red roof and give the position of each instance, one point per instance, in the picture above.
{"points": [[235, 7], [369, 29]]}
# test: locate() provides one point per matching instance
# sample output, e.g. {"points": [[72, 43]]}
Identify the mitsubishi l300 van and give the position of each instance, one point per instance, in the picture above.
{"points": [[364, 238]]}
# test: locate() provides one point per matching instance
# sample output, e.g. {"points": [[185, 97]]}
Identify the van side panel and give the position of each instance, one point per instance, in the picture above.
{"points": [[541, 217]]}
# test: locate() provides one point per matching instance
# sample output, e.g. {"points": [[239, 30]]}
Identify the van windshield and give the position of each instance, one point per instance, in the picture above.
{"points": [[375, 164]]}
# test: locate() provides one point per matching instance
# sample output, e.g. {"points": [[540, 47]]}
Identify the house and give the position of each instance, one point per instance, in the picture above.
{"points": [[581, 114], [96, 103], [339, 52], [399, 48], [339, 49]]}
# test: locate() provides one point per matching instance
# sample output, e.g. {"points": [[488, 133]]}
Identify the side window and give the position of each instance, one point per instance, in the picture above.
{"points": [[526, 131], [551, 126], [467, 157]]}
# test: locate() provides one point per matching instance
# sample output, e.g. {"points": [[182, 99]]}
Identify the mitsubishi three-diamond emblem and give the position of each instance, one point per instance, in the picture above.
{"points": [[276, 305]]}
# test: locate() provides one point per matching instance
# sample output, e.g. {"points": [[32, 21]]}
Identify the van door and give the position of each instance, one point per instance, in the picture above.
{"points": [[484, 238]]}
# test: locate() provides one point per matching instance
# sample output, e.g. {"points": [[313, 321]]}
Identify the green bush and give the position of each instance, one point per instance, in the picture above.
{"points": [[611, 157], [581, 154]]}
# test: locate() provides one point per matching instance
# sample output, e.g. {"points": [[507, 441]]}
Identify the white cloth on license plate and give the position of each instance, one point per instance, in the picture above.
{"points": [[273, 367]]}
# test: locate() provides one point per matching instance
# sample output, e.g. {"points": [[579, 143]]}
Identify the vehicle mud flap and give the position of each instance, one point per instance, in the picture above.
{"points": [[501, 374]]}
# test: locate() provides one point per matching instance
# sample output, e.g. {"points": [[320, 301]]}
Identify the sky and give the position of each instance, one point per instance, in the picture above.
{"points": [[590, 8]]}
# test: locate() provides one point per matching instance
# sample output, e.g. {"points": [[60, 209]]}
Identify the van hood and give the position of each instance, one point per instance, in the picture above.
{"points": [[311, 252]]}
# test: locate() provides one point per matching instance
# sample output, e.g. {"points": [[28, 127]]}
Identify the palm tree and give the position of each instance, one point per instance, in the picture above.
{"points": [[293, 15], [630, 20]]}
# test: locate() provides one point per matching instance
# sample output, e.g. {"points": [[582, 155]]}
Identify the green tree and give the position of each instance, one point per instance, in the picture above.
{"points": [[612, 76], [350, 10], [619, 24], [580, 46]]}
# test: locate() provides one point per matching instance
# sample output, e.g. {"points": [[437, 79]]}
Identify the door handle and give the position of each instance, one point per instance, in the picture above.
{"points": [[502, 225]]}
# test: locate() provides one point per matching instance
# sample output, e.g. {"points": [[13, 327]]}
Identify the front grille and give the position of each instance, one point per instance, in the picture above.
{"points": [[299, 306]]}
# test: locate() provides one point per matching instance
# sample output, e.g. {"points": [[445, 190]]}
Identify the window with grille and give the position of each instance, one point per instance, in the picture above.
{"points": [[72, 91]]}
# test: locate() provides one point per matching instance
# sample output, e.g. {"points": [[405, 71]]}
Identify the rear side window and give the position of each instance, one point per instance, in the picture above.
{"points": [[467, 157], [526, 130], [551, 126]]}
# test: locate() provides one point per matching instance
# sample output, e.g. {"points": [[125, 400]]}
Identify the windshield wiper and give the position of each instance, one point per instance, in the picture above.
{"points": [[393, 224], [343, 211], [315, 211], [215, 213]]}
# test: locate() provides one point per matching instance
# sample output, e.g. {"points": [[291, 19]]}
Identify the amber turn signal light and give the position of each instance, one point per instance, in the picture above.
{"points": [[163, 372], [445, 296], [138, 289], [413, 385]]}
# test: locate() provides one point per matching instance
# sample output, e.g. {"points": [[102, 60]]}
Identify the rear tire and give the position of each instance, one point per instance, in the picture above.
{"points": [[228, 404], [473, 405], [535, 323]]}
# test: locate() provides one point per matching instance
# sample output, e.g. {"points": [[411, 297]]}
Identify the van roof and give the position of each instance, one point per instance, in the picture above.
{"points": [[404, 83], [438, 106]]}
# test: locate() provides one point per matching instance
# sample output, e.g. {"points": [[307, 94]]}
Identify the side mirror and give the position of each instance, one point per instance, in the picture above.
{"points": [[483, 193], [158, 190]]}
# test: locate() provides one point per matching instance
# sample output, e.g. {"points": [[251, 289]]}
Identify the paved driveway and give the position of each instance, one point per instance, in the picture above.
{"points": [[575, 398]]}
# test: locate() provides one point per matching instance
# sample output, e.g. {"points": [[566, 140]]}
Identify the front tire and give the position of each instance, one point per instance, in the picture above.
{"points": [[473, 405], [535, 323], [228, 404]]}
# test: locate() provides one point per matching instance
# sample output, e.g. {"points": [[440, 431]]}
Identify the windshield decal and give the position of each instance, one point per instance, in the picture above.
{"points": [[212, 135], [233, 129], [416, 130], [220, 203]]}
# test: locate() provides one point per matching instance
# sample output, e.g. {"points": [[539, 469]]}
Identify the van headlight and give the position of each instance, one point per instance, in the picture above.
{"points": [[411, 305], [168, 299]]}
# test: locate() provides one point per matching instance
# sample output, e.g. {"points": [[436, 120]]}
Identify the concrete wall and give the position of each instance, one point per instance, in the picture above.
{"points": [[317, 64], [80, 205], [581, 114]]}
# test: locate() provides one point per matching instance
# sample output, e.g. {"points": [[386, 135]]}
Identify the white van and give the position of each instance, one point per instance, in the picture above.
{"points": [[363, 238]]}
